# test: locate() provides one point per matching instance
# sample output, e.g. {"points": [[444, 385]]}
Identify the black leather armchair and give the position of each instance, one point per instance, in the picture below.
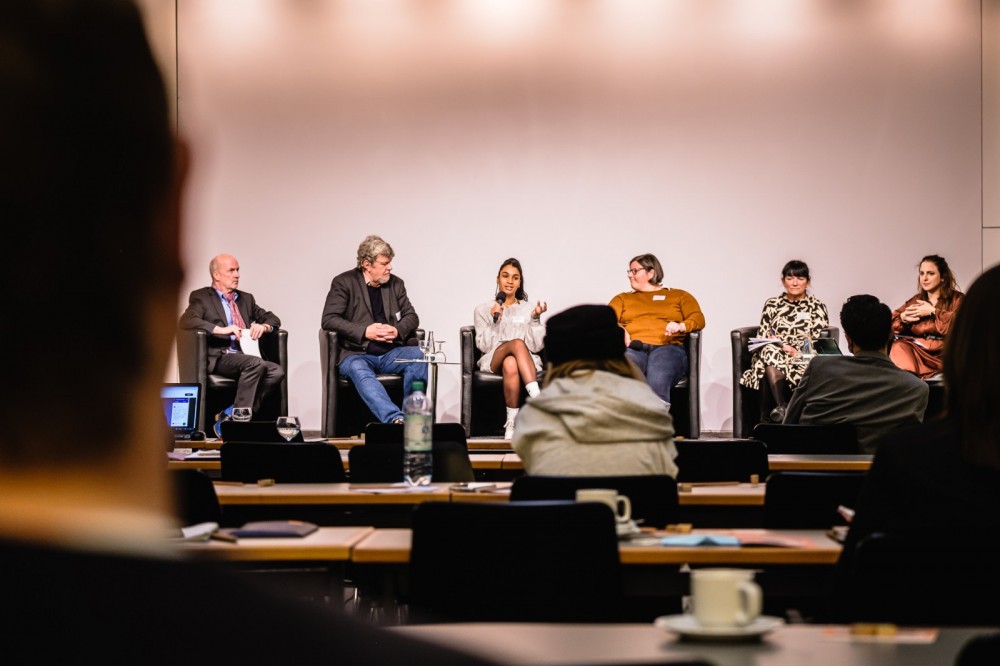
{"points": [[219, 391], [483, 410], [746, 401], [344, 413], [685, 398]]}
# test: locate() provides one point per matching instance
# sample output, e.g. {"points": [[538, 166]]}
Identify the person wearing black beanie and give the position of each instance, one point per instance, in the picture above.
{"points": [[595, 415]]}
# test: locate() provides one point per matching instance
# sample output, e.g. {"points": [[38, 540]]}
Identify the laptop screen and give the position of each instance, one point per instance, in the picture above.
{"points": [[180, 406]]}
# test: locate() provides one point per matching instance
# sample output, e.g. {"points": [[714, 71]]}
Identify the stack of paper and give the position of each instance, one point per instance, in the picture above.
{"points": [[757, 343]]}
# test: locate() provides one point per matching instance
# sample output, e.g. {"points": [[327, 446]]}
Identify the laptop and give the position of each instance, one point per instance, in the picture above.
{"points": [[254, 431], [181, 403]]}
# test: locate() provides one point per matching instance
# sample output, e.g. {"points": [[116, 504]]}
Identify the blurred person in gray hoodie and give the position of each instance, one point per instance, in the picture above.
{"points": [[596, 415]]}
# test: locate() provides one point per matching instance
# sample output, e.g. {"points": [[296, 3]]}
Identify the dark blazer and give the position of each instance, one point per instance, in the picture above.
{"points": [[205, 312], [348, 311]]}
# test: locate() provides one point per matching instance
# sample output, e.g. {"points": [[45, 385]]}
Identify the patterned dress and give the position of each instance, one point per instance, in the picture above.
{"points": [[791, 322]]}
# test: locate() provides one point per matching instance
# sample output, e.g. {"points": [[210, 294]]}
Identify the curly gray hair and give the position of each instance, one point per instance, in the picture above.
{"points": [[370, 249]]}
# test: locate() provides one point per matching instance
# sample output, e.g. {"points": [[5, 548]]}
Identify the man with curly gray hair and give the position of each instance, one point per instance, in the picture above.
{"points": [[375, 323]]}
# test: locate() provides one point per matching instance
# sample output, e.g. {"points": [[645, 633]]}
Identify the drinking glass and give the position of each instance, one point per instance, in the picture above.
{"points": [[425, 345], [242, 413], [289, 427], [439, 354]]}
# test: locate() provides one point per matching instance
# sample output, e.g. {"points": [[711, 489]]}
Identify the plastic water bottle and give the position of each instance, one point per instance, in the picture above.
{"points": [[418, 437]]}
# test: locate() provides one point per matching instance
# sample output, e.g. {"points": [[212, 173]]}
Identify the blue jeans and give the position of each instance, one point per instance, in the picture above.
{"points": [[663, 365], [362, 368]]}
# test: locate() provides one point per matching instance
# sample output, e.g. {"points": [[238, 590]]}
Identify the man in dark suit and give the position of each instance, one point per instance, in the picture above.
{"points": [[227, 314], [368, 309], [866, 389], [88, 573]]}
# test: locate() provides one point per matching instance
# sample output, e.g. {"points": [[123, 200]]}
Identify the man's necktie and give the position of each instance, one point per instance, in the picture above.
{"points": [[237, 318]]}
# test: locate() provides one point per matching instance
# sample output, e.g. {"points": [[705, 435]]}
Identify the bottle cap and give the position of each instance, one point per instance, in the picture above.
{"points": [[418, 386]]}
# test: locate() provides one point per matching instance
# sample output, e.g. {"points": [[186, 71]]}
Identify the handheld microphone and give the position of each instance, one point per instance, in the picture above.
{"points": [[636, 345], [500, 300]]}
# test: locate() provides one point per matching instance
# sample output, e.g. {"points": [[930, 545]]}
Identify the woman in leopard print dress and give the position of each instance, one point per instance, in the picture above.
{"points": [[791, 317]]}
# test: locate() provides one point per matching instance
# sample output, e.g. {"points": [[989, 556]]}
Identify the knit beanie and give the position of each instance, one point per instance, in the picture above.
{"points": [[584, 332]]}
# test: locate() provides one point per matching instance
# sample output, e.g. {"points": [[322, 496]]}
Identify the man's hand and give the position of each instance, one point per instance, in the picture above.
{"points": [[381, 332], [232, 329], [257, 330], [675, 327]]}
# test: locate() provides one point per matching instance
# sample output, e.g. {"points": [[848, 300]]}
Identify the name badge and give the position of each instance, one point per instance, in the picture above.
{"points": [[803, 316], [398, 316], [659, 297], [517, 320]]}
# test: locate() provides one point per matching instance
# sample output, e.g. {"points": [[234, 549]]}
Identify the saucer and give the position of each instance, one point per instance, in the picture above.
{"points": [[688, 627], [626, 528]]}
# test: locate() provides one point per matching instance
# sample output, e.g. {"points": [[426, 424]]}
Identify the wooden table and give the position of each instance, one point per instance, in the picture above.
{"points": [[392, 546], [654, 579], [817, 462], [318, 560], [335, 503], [324, 545], [234, 493], [790, 645]]}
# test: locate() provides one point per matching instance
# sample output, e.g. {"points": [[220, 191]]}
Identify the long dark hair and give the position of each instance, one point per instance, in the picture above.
{"points": [[520, 294], [972, 371], [948, 284]]}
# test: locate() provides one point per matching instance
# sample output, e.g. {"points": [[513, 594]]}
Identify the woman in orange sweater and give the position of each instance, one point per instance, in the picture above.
{"points": [[656, 320]]}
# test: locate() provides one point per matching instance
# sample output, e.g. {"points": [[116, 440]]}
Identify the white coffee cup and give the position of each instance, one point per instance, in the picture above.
{"points": [[620, 504], [725, 597]]}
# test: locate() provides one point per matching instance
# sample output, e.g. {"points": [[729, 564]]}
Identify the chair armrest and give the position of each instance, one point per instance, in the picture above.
{"points": [[693, 345], [831, 332], [192, 357], [328, 371], [467, 335]]}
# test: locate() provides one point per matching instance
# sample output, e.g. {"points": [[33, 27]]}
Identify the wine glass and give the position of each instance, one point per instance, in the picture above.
{"points": [[242, 413], [288, 427], [439, 354]]}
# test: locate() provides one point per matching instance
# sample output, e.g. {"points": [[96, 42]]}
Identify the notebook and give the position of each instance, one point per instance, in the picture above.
{"points": [[180, 407]]}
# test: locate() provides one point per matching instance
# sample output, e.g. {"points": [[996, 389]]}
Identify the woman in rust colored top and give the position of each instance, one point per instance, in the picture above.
{"points": [[656, 320], [921, 323]]}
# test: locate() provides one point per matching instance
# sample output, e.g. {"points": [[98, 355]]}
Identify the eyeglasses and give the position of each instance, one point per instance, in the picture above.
{"points": [[633, 271]]}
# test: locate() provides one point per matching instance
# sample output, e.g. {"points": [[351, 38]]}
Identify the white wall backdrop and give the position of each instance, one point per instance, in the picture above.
{"points": [[724, 137]]}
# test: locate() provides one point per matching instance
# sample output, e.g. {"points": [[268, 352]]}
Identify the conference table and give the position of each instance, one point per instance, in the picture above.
{"points": [[651, 572], [759, 547], [795, 566], [607, 644], [492, 463], [319, 560], [724, 504]]}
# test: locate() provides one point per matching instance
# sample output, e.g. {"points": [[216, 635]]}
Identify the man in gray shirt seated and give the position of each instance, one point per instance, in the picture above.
{"points": [[866, 389]]}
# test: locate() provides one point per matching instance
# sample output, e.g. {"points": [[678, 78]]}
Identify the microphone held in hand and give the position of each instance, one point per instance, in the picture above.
{"points": [[500, 300], [635, 345]]}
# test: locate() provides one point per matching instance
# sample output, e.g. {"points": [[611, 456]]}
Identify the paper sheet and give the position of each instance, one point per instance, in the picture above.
{"points": [[249, 347]]}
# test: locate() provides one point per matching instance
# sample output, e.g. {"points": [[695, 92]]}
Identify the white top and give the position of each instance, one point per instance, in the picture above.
{"points": [[516, 323]]}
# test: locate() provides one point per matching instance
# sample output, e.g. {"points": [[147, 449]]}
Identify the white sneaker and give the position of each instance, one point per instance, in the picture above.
{"points": [[508, 432]]}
